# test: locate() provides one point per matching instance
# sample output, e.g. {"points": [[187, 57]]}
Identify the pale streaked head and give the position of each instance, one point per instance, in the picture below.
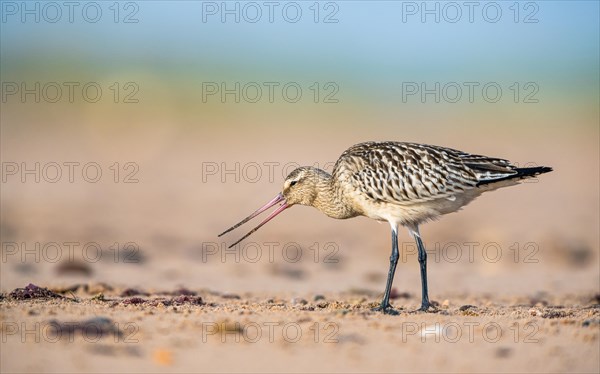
{"points": [[299, 187]]}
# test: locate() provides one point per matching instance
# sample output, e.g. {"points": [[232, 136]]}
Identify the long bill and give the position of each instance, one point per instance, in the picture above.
{"points": [[279, 198]]}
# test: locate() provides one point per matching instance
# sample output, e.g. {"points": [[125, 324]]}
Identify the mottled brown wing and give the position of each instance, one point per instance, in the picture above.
{"points": [[406, 173]]}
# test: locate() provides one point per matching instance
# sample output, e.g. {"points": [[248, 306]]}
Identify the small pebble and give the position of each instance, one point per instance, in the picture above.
{"points": [[298, 301], [589, 322], [534, 312], [395, 294], [75, 268], [128, 292], [503, 352], [231, 296]]}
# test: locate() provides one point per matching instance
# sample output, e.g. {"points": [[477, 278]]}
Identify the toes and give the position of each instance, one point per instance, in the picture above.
{"points": [[386, 310], [428, 308]]}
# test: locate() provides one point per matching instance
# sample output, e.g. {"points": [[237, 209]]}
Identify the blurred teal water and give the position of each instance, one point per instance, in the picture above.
{"points": [[369, 49]]}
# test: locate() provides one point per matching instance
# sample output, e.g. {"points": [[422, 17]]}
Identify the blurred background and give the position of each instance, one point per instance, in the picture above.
{"points": [[148, 127], [133, 132]]}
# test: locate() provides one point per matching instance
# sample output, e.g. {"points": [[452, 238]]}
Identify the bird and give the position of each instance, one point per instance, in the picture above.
{"points": [[402, 183]]}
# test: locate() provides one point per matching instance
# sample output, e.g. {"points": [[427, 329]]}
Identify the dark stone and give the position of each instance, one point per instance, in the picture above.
{"points": [[33, 292]]}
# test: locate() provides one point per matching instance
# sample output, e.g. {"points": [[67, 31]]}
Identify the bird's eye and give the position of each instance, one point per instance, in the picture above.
{"points": [[293, 183]]}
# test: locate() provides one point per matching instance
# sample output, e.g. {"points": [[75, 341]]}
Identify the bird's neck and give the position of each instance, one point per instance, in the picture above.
{"points": [[329, 198]]}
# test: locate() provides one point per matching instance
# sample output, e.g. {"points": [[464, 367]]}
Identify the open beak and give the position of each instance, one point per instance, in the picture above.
{"points": [[278, 199]]}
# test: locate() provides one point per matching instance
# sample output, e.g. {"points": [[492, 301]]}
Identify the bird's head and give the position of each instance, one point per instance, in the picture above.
{"points": [[301, 186]]}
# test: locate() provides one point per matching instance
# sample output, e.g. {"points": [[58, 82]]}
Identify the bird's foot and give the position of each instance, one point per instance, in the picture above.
{"points": [[428, 307], [386, 309]]}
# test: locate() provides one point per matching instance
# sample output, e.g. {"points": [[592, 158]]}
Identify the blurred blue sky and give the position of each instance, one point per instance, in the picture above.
{"points": [[370, 47]]}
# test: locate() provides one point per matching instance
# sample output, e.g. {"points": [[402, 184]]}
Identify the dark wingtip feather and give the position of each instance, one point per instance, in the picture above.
{"points": [[520, 173], [526, 172]]}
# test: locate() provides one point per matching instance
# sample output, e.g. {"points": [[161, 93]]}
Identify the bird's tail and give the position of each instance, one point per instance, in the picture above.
{"points": [[520, 173], [532, 172]]}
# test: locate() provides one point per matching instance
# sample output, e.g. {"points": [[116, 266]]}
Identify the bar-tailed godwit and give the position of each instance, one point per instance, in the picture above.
{"points": [[402, 183]]}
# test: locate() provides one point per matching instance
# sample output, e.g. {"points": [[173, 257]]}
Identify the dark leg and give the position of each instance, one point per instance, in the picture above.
{"points": [[385, 303], [425, 305]]}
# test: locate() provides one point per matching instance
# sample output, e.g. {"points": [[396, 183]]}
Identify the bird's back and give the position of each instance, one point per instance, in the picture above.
{"points": [[431, 179]]}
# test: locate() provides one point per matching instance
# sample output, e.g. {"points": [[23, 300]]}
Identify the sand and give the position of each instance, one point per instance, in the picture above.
{"points": [[146, 285]]}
